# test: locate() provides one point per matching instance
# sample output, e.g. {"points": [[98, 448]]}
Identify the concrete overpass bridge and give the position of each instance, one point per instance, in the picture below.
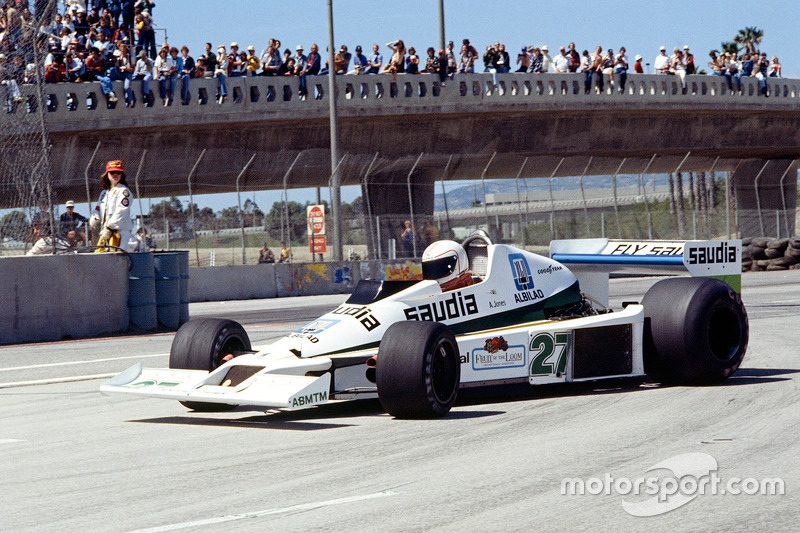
{"points": [[475, 125]]}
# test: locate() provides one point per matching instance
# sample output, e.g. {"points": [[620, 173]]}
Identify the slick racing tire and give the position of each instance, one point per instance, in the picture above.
{"points": [[418, 370], [696, 331], [201, 344]]}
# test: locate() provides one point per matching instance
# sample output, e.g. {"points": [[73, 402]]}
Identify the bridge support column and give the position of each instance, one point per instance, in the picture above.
{"points": [[761, 186], [386, 196]]}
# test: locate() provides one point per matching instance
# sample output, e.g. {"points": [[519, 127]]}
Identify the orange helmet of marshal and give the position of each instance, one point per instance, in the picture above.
{"points": [[113, 166]]}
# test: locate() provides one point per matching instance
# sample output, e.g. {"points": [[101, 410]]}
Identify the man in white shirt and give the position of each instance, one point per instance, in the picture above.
{"points": [[661, 64], [561, 62]]}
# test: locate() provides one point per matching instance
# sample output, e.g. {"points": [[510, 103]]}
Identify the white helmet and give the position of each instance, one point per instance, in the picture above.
{"points": [[444, 261]]}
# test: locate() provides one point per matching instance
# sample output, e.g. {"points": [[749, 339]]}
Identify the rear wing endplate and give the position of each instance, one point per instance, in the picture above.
{"points": [[592, 260]]}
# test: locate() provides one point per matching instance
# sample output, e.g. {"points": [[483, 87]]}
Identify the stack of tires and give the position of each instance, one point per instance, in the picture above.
{"points": [[761, 253]]}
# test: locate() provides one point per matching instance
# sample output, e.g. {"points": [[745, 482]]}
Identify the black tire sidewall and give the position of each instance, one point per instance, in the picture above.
{"points": [[198, 344], [404, 372], [681, 324]]}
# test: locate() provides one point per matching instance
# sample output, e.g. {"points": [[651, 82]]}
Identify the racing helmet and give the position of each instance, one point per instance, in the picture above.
{"points": [[444, 261]]}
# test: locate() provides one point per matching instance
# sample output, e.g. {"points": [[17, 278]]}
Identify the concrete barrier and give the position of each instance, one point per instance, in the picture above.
{"points": [[294, 279], [239, 282], [46, 298], [307, 279]]}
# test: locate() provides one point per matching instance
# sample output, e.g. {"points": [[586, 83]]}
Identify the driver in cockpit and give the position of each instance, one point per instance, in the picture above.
{"points": [[446, 262]]}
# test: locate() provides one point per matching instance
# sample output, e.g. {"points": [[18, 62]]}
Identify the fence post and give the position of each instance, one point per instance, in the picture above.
{"points": [[783, 200], [519, 203], [136, 184], [614, 191], [646, 201], [378, 235], [89, 194], [191, 205], [758, 201], [483, 184], [707, 203], [239, 199], [552, 200], [602, 224], [365, 192], [679, 199], [411, 205], [583, 195], [728, 201], [285, 196], [444, 194]]}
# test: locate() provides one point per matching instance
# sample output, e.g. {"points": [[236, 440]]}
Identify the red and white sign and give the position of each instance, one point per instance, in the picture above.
{"points": [[316, 219], [317, 244]]}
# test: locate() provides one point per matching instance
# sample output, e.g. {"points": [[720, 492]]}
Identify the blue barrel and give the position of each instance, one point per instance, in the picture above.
{"points": [[183, 262], [141, 291], [168, 289]]}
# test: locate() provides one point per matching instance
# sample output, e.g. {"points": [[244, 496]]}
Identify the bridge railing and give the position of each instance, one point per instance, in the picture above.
{"points": [[379, 94]]}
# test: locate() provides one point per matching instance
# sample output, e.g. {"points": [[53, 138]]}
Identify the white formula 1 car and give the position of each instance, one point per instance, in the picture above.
{"points": [[526, 319]]}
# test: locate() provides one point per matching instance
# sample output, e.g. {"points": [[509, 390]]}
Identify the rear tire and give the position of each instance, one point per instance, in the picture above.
{"points": [[696, 331], [418, 370], [201, 344]]}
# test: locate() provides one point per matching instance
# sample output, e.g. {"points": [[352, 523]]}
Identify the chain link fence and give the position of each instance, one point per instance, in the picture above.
{"points": [[220, 227]]}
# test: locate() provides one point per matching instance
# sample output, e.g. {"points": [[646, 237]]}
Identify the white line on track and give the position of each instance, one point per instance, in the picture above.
{"points": [[256, 514], [9, 441], [88, 361], [56, 380]]}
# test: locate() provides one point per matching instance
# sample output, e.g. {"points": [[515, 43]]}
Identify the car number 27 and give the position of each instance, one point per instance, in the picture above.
{"points": [[548, 352]]}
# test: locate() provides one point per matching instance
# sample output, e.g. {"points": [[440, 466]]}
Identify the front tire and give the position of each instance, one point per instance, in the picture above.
{"points": [[696, 331], [418, 370], [201, 344]]}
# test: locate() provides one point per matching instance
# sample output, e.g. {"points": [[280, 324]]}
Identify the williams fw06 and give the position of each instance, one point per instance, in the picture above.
{"points": [[524, 318]]}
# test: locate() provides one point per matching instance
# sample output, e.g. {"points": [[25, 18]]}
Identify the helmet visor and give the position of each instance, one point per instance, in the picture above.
{"points": [[439, 268]]}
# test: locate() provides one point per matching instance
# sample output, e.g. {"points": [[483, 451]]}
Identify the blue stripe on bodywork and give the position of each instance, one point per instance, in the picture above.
{"points": [[597, 259]]}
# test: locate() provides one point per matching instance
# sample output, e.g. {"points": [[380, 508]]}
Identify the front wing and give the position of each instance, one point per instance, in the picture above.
{"points": [[277, 391]]}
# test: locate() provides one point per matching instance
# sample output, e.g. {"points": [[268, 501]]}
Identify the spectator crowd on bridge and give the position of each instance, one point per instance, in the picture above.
{"points": [[114, 40]]}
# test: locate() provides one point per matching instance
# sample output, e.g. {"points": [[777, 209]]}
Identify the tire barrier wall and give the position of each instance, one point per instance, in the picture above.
{"points": [[244, 282], [48, 298], [760, 253], [142, 291]]}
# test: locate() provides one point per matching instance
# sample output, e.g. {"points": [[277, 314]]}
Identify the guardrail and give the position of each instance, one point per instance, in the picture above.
{"points": [[69, 103]]}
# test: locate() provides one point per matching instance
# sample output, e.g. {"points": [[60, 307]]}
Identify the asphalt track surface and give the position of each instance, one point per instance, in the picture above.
{"points": [[72, 459]]}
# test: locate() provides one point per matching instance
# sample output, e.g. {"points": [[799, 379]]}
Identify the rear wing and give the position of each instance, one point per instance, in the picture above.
{"points": [[592, 260]]}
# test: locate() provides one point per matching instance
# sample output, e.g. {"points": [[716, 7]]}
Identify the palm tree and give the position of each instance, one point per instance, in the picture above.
{"points": [[749, 38], [731, 47]]}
